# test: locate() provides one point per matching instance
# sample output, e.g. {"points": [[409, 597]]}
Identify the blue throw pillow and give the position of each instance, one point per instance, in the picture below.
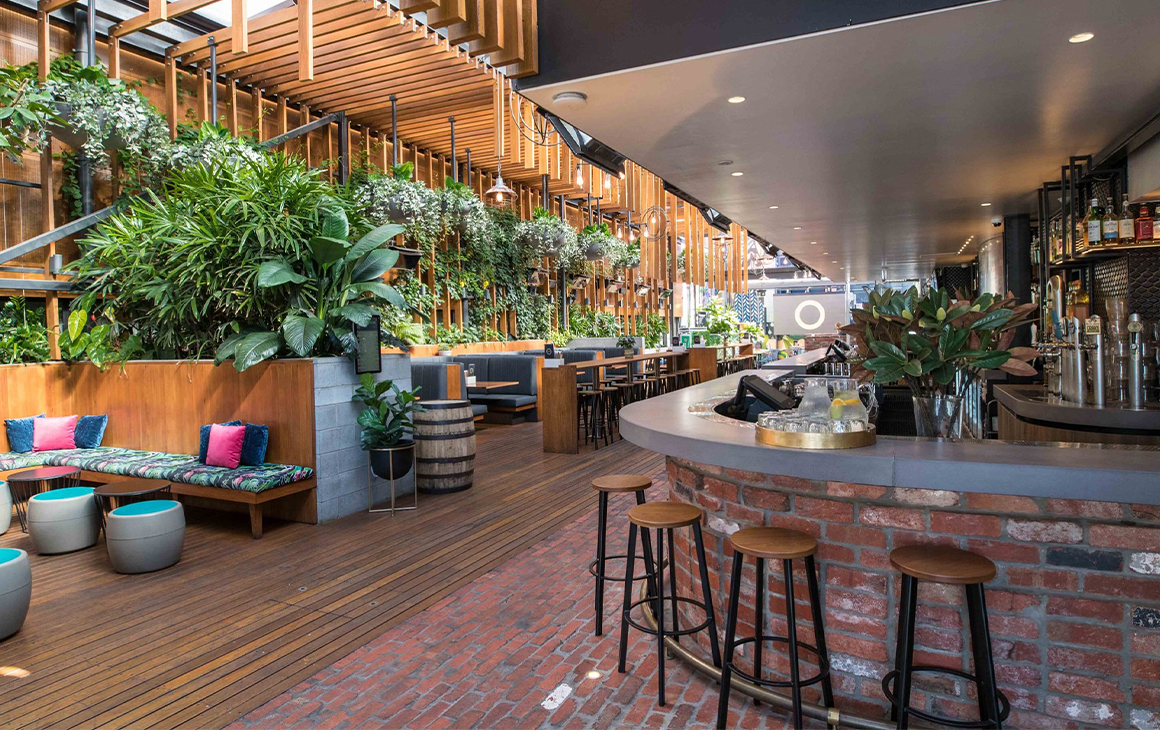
{"points": [[90, 431], [20, 433], [254, 446], [205, 439]]}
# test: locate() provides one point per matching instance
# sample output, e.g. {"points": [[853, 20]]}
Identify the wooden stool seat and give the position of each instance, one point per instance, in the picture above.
{"points": [[775, 543], [942, 564], [664, 515], [616, 483]]}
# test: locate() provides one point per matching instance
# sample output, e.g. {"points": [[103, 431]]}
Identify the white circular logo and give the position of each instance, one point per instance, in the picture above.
{"points": [[797, 315]]}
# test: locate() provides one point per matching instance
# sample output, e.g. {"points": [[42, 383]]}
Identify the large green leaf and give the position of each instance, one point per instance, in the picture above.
{"points": [[360, 314], [992, 360], [335, 225], [277, 273], [76, 323], [326, 250], [226, 350], [889, 375], [887, 349], [375, 239], [374, 265], [381, 290], [301, 333], [992, 320], [254, 348]]}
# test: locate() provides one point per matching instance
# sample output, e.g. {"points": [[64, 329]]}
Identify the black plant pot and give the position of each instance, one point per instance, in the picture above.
{"points": [[393, 462], [408, 257], [394, 210]]}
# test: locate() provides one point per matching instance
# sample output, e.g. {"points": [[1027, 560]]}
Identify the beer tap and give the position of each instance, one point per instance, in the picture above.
{"points": [[1135, 362], [1094, 336]]}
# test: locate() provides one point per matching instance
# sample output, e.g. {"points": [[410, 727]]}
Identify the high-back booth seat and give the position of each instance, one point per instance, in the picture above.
{"points": [[432, 380], [15, 590], [63, 520], [145, 536], [584, 377], [503, 404]]}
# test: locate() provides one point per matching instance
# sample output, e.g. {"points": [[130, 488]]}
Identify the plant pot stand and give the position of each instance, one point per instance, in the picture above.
{"points": [[391, 477]]}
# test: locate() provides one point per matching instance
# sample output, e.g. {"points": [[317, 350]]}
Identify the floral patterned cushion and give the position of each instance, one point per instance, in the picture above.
{"points": [[16, 460], [181, 468]]}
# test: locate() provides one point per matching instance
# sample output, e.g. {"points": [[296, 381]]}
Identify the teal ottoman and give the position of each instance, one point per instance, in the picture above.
{"points": [[63, 520], [145, 536], [15, 590]]}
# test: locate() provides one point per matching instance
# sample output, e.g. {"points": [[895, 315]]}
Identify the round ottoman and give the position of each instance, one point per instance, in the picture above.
{"points": [[145, 536], [63, 520], [15, 590], [5, 507]]}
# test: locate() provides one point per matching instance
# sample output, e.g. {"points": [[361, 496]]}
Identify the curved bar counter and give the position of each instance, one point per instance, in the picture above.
{"points": [[1073, 528]]}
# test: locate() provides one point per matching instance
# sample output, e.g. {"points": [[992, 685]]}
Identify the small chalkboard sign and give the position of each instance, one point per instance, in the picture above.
{"points": [[370, 347], [549, 350], [676, 342]]}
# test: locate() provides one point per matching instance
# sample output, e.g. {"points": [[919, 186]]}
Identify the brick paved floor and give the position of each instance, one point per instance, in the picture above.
{"points": [[490, 654]]}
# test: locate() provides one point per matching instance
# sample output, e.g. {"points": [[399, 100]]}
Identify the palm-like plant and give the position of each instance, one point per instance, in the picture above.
{"points": [[334, 286]]}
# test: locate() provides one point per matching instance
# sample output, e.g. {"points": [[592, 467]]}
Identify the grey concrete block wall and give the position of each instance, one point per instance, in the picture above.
{"points": [[342, 466]]}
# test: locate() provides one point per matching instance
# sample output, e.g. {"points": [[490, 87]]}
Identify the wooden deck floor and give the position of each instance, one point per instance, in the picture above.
{"points": [[239, 621]]}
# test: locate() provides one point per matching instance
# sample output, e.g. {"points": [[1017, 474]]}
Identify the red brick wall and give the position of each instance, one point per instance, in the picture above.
{"points": [[1074, 610]]}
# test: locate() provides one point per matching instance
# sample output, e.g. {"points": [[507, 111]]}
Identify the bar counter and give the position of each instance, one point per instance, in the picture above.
{"points": [[1073, 528], [1028, 412]]}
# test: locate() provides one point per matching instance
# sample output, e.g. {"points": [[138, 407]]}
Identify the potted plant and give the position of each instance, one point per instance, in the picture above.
{"points": [[938, 345], [387, 425], [443, 348], [628, 343], [595, 239]]}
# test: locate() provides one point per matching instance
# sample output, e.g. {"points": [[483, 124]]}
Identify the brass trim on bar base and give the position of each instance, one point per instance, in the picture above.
{"points": [[796, 440]]}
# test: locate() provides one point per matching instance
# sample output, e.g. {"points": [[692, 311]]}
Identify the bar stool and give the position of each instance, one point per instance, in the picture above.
{"points": [[943, 564], [606, 485], [585, 403], [775, 543], [662, 517]]}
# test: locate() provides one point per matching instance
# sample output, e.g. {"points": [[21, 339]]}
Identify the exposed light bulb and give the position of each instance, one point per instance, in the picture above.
{"points": [[499, 197], [579, 175], [607, 182]]}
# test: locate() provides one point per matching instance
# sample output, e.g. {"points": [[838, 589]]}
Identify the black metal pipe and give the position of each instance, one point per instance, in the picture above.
{"points": [[343, 148], [544, 191], [454, 166], [394, 129], [213, 74], [468, 170], [91, 33]]}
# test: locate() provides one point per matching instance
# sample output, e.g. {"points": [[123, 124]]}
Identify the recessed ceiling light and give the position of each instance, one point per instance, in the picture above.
{"points": [[813, 243], [834, 261], [570, 100], [773, 207], [985, 205], [1081, 37], [736, 99], [797, 228], [737, 174], [725, 162]]}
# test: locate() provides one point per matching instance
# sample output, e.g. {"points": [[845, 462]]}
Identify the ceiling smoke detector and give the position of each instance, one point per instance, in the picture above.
{"points": [[570, 100]]}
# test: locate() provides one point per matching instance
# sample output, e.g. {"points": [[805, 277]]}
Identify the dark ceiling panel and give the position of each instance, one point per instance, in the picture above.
{"points": [[580, 38]]}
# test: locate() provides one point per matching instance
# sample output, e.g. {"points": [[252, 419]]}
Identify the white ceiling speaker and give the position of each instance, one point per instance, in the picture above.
{"points": [[570, 100]]}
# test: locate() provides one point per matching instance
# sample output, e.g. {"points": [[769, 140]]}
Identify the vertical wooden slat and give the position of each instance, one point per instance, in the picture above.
{"points": [[203, 94], [240, 42], [232, 116], [282, 121], [157, 10], [305, 40], [256, 110], [115, 58]]}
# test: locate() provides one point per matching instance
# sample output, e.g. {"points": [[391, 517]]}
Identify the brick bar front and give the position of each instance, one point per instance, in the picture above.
{"points": [[1074, 611]]}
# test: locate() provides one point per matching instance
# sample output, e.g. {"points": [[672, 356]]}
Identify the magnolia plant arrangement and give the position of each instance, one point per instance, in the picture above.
{"points": [[938, 344]]}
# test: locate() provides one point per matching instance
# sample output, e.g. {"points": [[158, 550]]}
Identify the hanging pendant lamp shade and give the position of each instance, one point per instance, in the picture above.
{"points": [[499, 195]]}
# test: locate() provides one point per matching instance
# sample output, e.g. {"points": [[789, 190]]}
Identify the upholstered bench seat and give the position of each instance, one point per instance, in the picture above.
{"points": [[180, 468], [502, 400]]}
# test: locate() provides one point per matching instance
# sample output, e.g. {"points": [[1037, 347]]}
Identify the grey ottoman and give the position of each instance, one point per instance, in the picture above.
{"points": [[63, 520], [15, 590], [5, 507], [145, 536]]}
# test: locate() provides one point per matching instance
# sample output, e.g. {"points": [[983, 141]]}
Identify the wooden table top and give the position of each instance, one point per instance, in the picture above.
{"points": [[131, 486], [614, 361], [492, 384], [44, 472]]}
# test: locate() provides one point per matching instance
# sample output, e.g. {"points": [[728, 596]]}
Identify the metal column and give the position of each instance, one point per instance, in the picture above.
{"points": [[454, 165], [213, 99], [343, 148], [394, 130]]}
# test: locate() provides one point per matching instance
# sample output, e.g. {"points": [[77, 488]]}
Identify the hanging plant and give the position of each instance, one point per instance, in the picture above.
{"points": [[547, 234], [25, 109], [595, 240], [396, 198], [623, 255]]}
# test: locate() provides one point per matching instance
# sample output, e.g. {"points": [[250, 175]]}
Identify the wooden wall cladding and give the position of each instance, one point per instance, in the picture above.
{"points": [[159, 406]]}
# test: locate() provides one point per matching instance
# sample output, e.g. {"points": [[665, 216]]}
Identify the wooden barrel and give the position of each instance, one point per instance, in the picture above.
{"points": [[444, 446]]}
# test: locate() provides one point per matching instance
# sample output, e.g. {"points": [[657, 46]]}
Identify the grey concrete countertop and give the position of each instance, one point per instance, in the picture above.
{"points": [[666, 425], [1032, 402]]}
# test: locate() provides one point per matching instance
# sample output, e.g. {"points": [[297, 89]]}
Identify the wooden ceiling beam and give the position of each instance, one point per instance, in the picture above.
{"points": [[493, 30], [240, 27], [471, 29], [398, 63], [448, 12], [379, 76], [272, 20], [147, 19], [305, 40], [354, 100]]}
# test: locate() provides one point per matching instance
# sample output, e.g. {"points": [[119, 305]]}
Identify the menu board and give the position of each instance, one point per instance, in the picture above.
{"points": [[369, 358]]}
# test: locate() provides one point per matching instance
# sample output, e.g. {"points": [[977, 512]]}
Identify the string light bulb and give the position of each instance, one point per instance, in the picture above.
{"points": [[607, 182], [579, 175]]}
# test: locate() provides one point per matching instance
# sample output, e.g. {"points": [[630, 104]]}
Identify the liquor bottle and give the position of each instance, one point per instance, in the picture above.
{"points": [[1091, 226], [1079, 302], [1143, 225], [1127, 227], [1111, 227]]}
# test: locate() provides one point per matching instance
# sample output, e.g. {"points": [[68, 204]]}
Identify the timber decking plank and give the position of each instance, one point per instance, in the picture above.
{"points": [[228, 628]]}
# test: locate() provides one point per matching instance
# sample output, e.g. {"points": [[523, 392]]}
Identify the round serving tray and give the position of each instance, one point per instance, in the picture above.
{"points": [[794, 440]]}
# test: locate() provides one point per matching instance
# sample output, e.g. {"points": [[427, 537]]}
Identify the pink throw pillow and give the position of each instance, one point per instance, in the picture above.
{"points": [[225, 445], [54, 433]]}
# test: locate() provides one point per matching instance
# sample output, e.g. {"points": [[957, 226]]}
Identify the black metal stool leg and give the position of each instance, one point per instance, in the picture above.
{"points": [[791, 621], [660, 616], [673, 584], [730, 636], [989, 710], [629, 569], [819, 631], [602, 524], [905, 660], [707, 594], [759, 618], [649, 568]]}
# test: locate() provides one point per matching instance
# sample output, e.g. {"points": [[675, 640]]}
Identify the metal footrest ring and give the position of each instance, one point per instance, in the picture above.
{"points": [[620, 578], [888, 689], [653, 632], [823, 666]]}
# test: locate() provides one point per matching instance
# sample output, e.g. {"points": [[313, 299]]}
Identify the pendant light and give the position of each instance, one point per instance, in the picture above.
{"points": [[579, 175], [499, 195]]}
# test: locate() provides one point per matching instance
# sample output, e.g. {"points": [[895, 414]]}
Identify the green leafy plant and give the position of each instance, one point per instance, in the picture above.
{"points": [[929, 340], [587, 322], [595, 241], [25, 110], [335, 286], [88, 337], [23, 334], [626, 342], [721, 320], [386, 420], [560, 338]]}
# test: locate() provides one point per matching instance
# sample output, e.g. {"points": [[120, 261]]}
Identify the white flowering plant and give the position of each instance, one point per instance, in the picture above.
{"points": [[399, 199]]}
